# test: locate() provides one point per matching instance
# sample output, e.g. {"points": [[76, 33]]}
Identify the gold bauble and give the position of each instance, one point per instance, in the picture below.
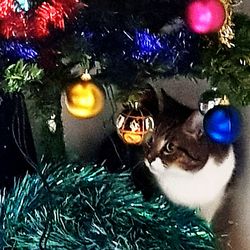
{"points": [[84, 99]]}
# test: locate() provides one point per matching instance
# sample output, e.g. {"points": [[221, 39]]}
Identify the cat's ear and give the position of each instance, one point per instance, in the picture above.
{"points": [[173, 108], [194, 125], [149, 100]]}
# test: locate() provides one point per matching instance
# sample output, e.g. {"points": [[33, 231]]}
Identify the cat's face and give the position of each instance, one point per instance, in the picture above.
{"points": [[180, 144], [179, 141]]}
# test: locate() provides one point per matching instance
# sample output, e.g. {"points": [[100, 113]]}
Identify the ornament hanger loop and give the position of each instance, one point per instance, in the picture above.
{"points": [[133, 104]]}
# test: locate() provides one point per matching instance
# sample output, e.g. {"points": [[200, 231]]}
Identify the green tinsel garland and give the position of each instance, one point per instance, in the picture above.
{"points": [[88, 208]]}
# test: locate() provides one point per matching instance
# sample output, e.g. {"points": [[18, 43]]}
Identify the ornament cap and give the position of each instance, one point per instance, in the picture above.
{"points": [[225, 101], [86, 76]]}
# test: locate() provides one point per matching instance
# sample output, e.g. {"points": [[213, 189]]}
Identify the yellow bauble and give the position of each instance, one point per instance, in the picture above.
{"points": [[84, 99]]}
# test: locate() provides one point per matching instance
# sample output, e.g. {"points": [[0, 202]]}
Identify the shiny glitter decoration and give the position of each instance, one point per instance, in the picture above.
{"points": [[36, 23], [173, 50], [147, 46], [226, 33], [99, 209], [6, 6], [18, 50]]}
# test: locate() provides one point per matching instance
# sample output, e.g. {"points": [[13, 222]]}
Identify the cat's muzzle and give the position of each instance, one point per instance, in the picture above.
{"points": [[156, 163]]}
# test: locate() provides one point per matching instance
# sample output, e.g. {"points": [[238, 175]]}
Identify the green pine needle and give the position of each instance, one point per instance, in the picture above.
{"points": [[228, 69], [18, 76]]}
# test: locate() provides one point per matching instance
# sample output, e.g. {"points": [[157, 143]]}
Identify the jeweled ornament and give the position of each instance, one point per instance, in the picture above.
{"points": [[84, 99], [222, 123], [133, 124], [205, 16]]}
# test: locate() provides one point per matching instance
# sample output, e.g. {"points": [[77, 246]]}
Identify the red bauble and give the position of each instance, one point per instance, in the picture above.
{"points": [[205, 16]]}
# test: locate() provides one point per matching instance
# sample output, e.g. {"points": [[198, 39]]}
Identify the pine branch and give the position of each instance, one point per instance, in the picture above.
{"points": [[18, 76]]}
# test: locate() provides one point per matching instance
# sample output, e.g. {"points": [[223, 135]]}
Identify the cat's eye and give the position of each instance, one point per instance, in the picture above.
{"points": [[200, 133], [169, 148]]}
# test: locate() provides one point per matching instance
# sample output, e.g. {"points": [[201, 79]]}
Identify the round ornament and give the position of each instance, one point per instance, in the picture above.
{"points": [[205, 16], [133, 125], [209, 99], [222, 124], [84, 99]]}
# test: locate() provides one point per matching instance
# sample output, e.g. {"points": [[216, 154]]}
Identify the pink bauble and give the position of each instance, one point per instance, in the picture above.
{"points": [[205, 16]]}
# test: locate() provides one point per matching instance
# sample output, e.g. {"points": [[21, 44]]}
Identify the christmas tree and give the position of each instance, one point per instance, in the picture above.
{"points": [[91, 53]]}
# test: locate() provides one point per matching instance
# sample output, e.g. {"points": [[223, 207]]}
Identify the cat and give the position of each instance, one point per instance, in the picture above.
{"points": [[189, 168]]}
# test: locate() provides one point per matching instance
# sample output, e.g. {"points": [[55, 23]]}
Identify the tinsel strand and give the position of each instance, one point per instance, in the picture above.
{"points": [[226, 33]]}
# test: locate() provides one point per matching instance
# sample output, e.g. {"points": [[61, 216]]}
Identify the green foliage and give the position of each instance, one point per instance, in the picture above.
{"points": [[228, 69], [18, 76], [89, 208], [43, 101], [74, 52], [225, 68]]}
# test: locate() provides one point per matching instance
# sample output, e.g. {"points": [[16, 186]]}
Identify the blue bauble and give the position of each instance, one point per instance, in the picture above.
{"points": [[222, 124]]}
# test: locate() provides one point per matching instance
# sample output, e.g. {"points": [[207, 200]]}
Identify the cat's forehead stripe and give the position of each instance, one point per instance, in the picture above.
{"points": [[161, 144]]}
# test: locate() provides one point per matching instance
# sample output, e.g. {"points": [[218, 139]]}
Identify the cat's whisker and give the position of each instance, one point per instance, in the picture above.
{"points": [[165, 166]]}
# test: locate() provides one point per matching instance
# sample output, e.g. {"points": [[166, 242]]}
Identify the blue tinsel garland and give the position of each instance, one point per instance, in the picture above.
{"points": [[16, 50]]}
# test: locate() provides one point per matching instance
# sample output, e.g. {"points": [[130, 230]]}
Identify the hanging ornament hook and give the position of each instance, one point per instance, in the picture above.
{"points": [[86, 76], [225, 101]]}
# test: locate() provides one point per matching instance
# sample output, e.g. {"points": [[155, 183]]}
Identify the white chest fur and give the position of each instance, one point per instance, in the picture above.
{"points": [[195, 189]]}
